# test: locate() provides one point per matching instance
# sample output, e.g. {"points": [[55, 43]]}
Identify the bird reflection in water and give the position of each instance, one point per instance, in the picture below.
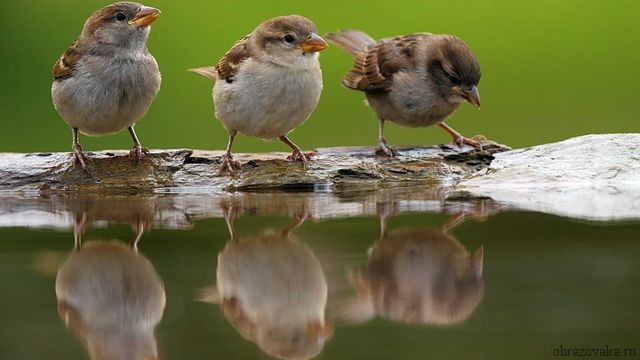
{"points": [[112, 297], [418, 276], [273, 291]]}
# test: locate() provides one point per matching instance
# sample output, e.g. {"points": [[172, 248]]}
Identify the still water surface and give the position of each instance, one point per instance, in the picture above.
{"points": [[299, 276]]}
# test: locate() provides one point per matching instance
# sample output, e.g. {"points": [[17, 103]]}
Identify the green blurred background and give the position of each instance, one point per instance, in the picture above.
{"points": [[551, 69]]}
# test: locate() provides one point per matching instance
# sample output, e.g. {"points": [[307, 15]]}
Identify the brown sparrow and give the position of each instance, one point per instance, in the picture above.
{"points": [[417, 276], [113, 298], [273, 291], [107, 79], [268, 83], [413, 80]]}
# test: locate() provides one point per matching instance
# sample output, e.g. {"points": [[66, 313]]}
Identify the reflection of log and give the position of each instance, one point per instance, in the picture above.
{"points": [[172, 211], [186, 170]]}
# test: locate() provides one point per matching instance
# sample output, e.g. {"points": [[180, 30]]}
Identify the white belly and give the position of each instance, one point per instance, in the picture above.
{"points": [[98, 101], [266, 100], [411, 102], [274, 278]]}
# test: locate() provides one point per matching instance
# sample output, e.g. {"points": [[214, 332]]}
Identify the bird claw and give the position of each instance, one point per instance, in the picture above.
{"points": [[138, 153], [384, 149], [461, 141], [302, 216], [78, 157], [298, 155], [229, 165]]}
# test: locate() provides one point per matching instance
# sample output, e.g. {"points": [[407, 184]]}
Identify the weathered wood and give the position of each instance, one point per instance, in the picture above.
{"points": [[595, 177], [338, 169]]}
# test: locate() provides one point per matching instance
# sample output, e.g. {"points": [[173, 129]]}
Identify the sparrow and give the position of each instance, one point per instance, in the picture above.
{"points": [[268, 83], [107, 79], [113, 298], [413, 80], [273, 290], [417, 276]]}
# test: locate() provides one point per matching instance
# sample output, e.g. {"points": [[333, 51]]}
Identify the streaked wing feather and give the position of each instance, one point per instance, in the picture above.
{"points": [[63, 68], [228, 66], [375, 66]]}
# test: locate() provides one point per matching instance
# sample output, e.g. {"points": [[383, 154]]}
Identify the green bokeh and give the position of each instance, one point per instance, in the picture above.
{"points": [[551, 69]]}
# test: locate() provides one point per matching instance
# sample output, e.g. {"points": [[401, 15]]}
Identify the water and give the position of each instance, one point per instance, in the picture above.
{"points": [[389, 275]]}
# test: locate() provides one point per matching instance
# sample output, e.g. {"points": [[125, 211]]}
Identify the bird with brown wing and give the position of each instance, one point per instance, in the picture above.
{"points": [[107, 79], [413, 80], [268, 83]]}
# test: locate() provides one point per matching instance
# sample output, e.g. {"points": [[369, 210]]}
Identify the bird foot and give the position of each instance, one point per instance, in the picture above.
{"points": [[298, 155], [384, 149], [229, 165], [475, 141], [78, 157], [298, 219], [138, 153]]}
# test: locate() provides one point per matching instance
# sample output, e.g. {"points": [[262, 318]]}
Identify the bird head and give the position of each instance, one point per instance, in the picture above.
{"points": [[295, 341], [122, 25], [455, 70], [289, 39]]}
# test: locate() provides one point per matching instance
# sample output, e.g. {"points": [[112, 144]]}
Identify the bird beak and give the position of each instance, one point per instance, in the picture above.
{"points": [[145, 16], [320, 331], [471, 95], [314, 44]]}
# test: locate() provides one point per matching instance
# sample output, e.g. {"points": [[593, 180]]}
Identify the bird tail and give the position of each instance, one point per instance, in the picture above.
{"points": [[207, 71], [354, 41]]}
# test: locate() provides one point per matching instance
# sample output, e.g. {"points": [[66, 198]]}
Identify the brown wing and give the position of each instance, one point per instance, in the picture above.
{"points": [[228, 66], [63, 68], [365, 74], [374, 67]]}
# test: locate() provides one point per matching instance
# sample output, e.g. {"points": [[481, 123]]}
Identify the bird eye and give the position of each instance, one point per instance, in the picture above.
{"points": [[121, 16], [454, 80], [289, 38]]}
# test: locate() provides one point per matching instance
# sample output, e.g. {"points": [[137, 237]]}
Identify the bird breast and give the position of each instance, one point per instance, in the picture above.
{"points": [[111, 286], [266, 100], [275, 280], [413, 100], [106, 95]]}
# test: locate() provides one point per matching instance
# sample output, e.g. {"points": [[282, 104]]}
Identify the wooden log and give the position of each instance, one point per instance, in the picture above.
{"points": [[335, 169]]}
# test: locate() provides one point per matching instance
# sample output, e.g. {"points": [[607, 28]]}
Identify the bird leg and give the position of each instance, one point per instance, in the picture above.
{"points": [[139, 228], [385, 211], [79, 227], [230, 212], [228, 164], [297, 154], [78, 156], [458, 139], [138, 152], [298, 219], [383, 148], [479, 213]]}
